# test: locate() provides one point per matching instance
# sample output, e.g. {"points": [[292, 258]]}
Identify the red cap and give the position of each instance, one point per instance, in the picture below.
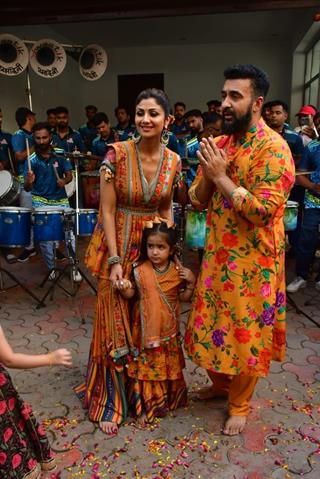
{"points": [[306, 110]]}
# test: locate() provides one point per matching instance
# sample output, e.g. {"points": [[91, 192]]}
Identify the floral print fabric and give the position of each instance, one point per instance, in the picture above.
{"points": [[24, 447], [237, 322]]}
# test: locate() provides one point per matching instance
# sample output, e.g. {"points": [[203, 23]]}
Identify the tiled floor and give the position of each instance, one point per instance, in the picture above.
{"points": [[281, 440]]}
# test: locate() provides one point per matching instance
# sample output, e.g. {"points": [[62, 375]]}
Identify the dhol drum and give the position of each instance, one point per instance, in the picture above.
{"points": [[9, 188], [290, 217], [15, 226], [87, 222], [48, 224], [195, 228], [91, 189]]}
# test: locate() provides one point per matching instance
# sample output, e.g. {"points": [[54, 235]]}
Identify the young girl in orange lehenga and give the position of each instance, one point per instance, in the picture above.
{"points": [[156, 384]]}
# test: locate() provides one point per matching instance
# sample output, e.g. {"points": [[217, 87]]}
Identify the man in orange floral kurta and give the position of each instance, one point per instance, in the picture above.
{"points": [[237, 322]]}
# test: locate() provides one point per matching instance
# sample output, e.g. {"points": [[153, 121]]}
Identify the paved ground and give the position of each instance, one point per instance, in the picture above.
{"points": [[282, 439]]}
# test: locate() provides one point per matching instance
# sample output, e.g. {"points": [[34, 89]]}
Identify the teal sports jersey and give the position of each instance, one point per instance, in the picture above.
{"points": [[88, 134], [19, 144], [70, 142], [311, 162], [45, 184]]}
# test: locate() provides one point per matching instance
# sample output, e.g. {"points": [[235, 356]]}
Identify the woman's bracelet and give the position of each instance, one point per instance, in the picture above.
{"points": [[113, 260]]}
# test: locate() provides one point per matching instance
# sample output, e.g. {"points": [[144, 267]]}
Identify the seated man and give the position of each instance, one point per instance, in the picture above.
{"points": [[46, 180]]}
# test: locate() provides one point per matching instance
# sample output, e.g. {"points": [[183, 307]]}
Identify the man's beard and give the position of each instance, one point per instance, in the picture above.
{"points": [[42, 148], [238, 125], [178, 117]]}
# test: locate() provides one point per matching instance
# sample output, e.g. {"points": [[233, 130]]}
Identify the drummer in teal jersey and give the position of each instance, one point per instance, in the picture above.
{"points": [[47, 179], [101, 143], [69, 141], [124, 130], [21, 140]]}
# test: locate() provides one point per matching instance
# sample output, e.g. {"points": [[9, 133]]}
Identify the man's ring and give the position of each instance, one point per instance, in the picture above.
{"points": [[121, 282]]}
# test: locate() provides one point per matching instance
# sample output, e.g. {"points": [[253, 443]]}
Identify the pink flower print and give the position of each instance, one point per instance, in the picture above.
{"points": [[208, 282], [232, 265], [198, 322], [252, 361], [265, 291]]}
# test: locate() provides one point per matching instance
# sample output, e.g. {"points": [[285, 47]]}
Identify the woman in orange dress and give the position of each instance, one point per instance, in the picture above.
{"points": [[137, 182]]}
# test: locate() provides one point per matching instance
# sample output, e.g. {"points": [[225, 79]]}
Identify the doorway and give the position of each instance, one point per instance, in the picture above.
{"points": [[129, 87]]}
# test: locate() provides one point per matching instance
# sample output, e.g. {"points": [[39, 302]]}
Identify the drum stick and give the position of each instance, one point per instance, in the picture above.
{"points": [[11, 162], [55, 166], [300, 173], [28, 154]]}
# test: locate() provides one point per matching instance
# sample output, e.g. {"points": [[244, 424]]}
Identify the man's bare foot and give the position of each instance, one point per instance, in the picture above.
{"points": [[234, 425], [209, 392], [109, 428]]}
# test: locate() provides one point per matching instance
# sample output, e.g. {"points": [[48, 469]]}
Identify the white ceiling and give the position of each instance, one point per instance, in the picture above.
{"points": [[241, 27]]}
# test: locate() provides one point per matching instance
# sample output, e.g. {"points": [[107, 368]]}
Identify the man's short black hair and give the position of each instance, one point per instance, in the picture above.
{"points": [[121, 107], [279, 103], [22, 114], [266, 105], [51, 111], [210, 117], [194, 112], [214, 103], [259, 78], [61, 109], [99, 118], [91, 107], [41, 125], [180, 103]]}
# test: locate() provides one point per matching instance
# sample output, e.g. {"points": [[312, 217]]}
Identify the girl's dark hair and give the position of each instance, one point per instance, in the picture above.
{"points": [[171, 237], [159, 96]]}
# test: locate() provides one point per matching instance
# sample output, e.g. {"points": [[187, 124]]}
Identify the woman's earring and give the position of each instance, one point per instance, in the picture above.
{"points": [[165, 136], [136, 137]]}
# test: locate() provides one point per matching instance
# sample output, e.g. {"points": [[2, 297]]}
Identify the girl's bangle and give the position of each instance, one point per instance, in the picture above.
{"points": [[50, 360]]}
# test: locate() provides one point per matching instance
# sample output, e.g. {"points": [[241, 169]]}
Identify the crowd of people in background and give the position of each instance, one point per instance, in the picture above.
{"points": [[185, 131]]}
